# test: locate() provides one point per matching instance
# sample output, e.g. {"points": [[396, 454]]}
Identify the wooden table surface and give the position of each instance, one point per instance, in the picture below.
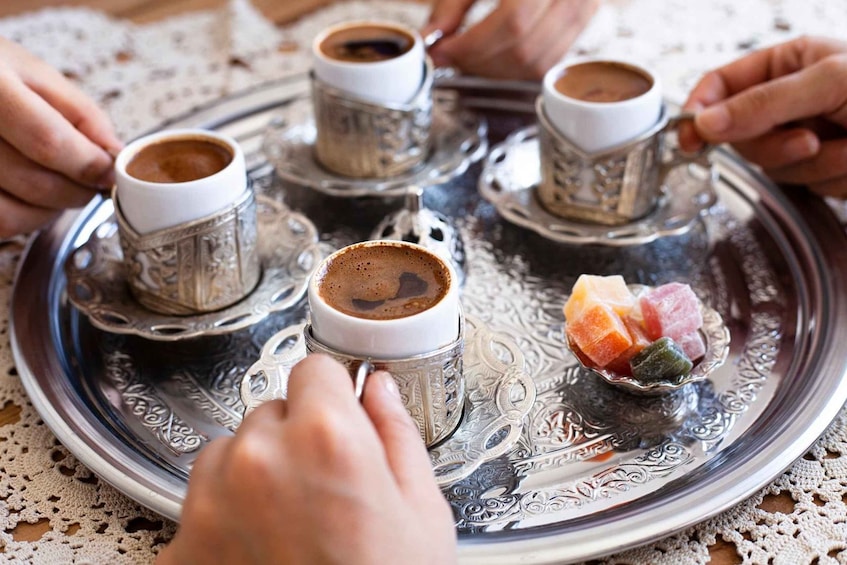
{"points": [[280, 12]]}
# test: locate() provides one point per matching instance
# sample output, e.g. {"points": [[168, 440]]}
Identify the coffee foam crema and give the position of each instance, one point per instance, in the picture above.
{"points": [[383, 282], [366, 43], [181, 159], [603, 81]]}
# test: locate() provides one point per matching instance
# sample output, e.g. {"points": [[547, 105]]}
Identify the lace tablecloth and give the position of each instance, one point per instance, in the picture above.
{"points": [[144, 75]]}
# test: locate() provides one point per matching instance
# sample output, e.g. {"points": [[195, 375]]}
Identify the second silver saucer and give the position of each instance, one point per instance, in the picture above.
{"points": [[288, 251], [513, 171], [459, 140], [498, 394]]}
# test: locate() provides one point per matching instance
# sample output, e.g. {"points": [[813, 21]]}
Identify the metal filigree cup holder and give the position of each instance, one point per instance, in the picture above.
{"points": [[498, 393], [98, 285], [457, 139], [197, 267], [611, 187], [432, 385], [512, 181], [716, 336], [361, 139]]}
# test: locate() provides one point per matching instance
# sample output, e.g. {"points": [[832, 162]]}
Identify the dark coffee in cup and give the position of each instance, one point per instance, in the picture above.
{"points": [[603, 82], [383, 282], [366, 43], [179, 160]]}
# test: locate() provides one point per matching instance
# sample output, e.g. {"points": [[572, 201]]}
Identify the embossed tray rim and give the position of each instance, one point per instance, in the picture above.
{"points": [[812, 240]]}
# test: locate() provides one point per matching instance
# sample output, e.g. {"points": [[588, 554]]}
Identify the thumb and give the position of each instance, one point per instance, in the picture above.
{"points": [[404, 449], [447, 15], [689, 139]]}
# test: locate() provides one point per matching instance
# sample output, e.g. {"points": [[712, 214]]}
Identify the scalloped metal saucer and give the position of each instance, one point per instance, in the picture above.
{"points": [[288, 251], [460, 138], [498, 394], [512, 173], [715, 334]]}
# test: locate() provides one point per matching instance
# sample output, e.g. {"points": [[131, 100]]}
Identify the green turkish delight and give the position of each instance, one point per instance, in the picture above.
{"points": [[662, 360]]}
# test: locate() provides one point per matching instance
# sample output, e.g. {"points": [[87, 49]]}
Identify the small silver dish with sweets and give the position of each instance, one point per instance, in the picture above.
{"points": [[645, 340]]}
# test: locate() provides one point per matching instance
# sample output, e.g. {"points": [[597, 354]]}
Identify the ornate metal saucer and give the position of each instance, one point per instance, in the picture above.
{"points": [[513, 171], [96, 283], [459, 138], [498, 394], [714, 333]]}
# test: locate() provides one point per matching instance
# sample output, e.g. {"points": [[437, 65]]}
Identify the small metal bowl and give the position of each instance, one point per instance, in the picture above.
{"points": [[715, 335]]}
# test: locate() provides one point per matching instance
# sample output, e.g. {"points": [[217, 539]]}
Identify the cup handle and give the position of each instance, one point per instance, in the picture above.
{"points": [[679, 157], [364, 370]]}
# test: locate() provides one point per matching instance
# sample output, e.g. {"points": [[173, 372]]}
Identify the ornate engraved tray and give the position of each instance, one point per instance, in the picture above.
{"points": [[596, 469]]}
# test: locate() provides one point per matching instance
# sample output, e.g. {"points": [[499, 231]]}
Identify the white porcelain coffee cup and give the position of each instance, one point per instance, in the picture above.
{"points": [[390, 81], [396, 338], [599, 126], [152, 206]]}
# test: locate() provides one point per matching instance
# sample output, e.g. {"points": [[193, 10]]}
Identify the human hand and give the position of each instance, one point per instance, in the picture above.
{"points": [[317, 478], [55, 144], [783, 108], [517, 40]]}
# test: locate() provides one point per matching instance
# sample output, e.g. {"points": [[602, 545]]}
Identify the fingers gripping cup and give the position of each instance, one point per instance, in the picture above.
{"points": [[395, 305], [187, 221], [601, 135], [371, 91]]}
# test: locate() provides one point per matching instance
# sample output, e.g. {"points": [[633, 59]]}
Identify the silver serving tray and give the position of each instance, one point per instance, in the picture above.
{"points": [[596, 470]]}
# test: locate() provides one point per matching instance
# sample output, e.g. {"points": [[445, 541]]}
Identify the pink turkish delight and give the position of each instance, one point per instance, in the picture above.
{"points": [[693, 345], [671, 310]]}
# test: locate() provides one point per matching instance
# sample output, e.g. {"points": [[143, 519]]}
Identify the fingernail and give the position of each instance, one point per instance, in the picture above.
{"points": [[801, 146], [715, 119], [390, 385]]}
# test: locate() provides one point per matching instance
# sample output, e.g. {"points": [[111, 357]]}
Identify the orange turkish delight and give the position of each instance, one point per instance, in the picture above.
{"points": [[640, 340], [600, 334], [592, 289]]}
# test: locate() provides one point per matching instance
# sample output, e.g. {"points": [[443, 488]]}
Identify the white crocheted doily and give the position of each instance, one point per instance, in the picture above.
{"points": [[144, 75]]}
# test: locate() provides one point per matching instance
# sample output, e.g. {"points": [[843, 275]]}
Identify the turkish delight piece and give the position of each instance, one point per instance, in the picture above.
{"points": [[600, 334], [693, 345], [640, 340], [662, 360], [671, 310], [592, 289]]}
